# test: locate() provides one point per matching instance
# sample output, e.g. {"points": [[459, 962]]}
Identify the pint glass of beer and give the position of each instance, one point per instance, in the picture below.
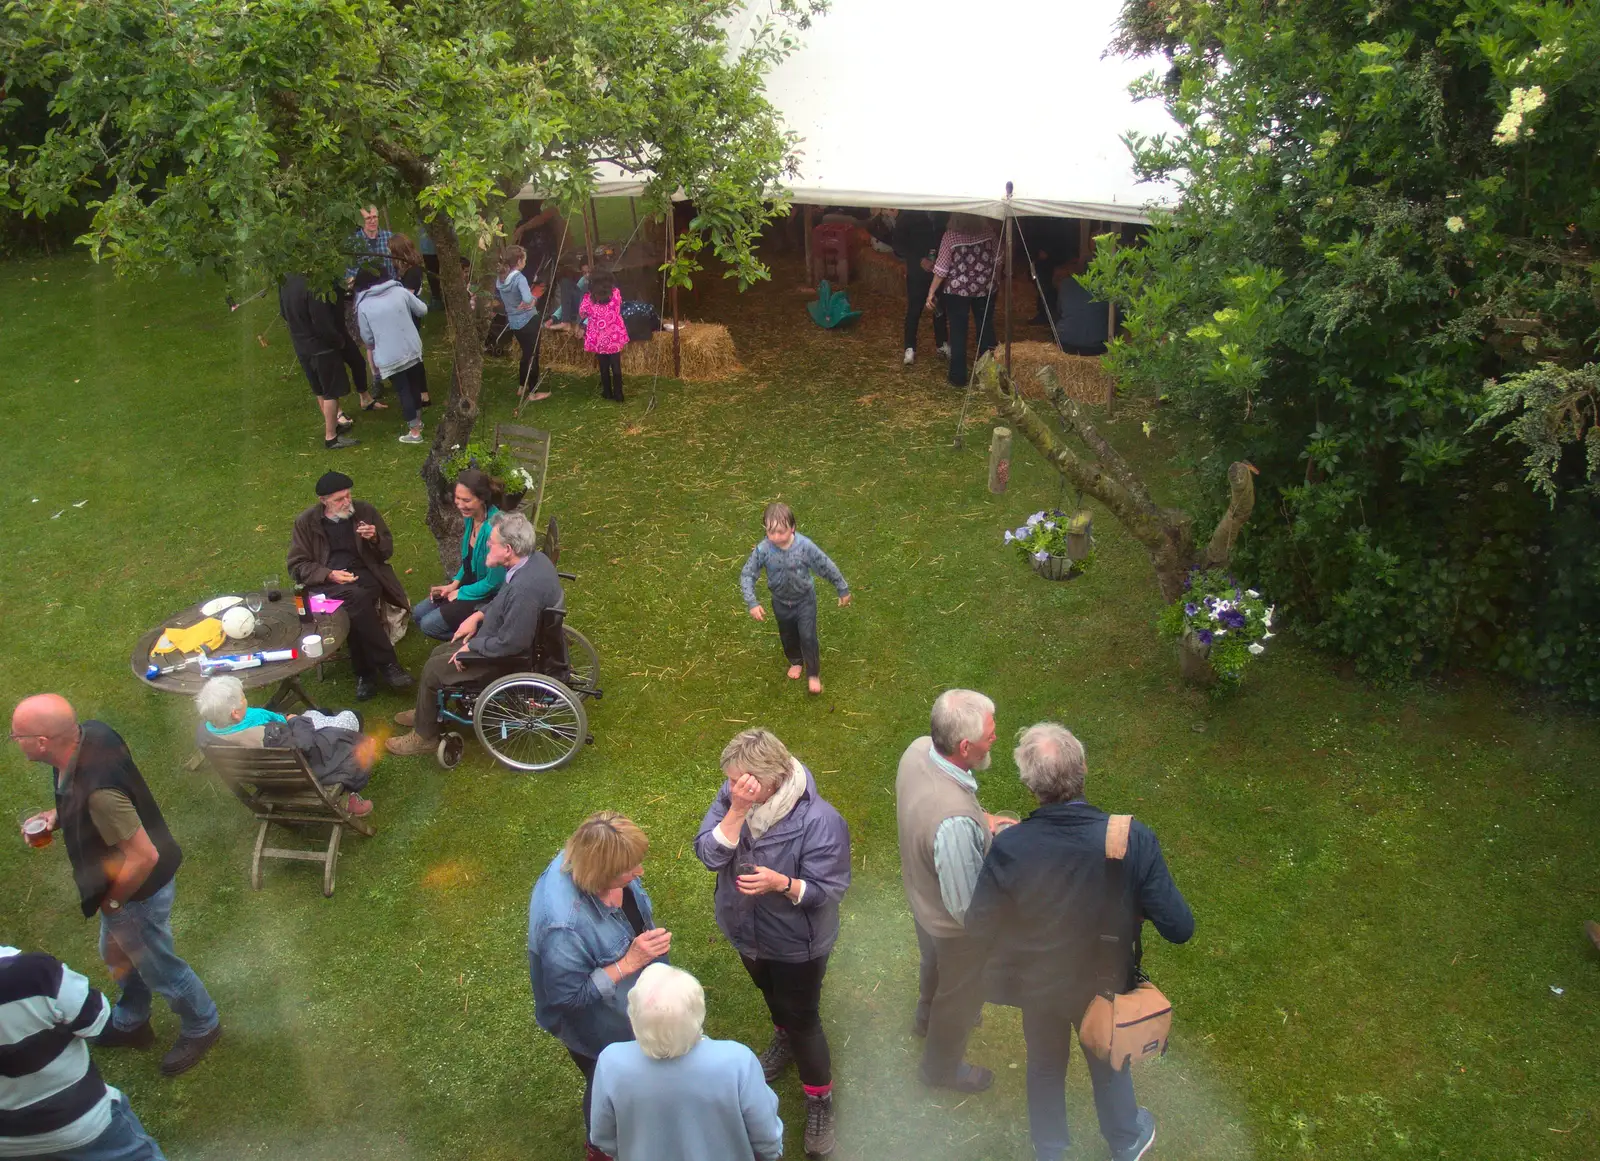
{"points": [[36, 829]]}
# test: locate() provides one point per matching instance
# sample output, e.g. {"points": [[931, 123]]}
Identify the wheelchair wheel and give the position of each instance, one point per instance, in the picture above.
{"points": [[583, 660], [450, 749], [530, 722]]}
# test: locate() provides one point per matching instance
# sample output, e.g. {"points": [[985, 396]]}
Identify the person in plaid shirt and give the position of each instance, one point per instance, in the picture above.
{"points": [[370, 242]]}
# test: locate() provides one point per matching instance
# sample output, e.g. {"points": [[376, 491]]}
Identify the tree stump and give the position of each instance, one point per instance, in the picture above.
{"points": [[999, 460], [1194, 661]]}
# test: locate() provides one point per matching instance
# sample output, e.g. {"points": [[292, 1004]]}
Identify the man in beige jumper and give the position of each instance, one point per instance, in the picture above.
{"points": [[944, 835]]}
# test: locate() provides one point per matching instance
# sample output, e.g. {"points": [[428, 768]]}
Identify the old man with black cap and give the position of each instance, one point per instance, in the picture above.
{"points": [[340, 547]]}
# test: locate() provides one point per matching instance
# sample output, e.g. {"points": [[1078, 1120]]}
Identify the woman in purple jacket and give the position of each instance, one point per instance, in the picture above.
{"points": [[782, 859]]}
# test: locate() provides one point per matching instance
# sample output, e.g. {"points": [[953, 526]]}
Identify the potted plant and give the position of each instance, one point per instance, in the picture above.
{"points": [[514, 478], [1056, 545], [1220, 628]]}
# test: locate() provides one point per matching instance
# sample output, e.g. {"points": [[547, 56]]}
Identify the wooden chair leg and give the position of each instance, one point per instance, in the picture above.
{"points": [[330, 866], [255, 862]]}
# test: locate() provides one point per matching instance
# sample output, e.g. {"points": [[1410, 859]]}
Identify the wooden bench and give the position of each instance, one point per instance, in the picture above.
{"points": [[278, 788]]}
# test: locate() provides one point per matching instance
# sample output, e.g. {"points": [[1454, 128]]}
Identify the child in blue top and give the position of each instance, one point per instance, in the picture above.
{"points": [[522, 309], [789, 560]]}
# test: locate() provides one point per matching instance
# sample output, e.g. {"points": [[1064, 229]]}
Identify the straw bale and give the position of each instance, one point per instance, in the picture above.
{"points": [[1080, 375], [877, 273], [707, 351]]}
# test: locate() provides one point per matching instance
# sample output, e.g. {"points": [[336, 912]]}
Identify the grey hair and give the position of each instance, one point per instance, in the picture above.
{"points": [[667, 1008], [758, 753], [1050, 763], [218, 698], [958, 717], [516, 532]]}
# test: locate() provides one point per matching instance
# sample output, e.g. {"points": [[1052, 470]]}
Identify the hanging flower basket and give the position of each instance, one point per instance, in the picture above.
{"points": [[1056, 546], [1052, 567], [1220, 628]]}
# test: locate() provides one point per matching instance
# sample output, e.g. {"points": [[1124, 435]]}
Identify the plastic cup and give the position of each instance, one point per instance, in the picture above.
{"points": [[1004, 819], [36, 829]]}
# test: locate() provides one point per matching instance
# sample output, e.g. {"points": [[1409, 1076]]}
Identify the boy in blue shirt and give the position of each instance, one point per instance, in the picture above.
{"points": [[789, 560]]}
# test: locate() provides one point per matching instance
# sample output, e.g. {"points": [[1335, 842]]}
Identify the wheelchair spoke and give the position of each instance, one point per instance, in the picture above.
{"points": [[529, 722]]}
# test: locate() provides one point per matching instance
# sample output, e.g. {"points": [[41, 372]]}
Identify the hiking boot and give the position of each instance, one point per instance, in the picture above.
{"points": [[396, 677], [357, 805], [406, 718], [139, 1036], [819, 1125], [778, 1056], [344, 423], [1147, 1137], [188, 1051], [408, 745]]}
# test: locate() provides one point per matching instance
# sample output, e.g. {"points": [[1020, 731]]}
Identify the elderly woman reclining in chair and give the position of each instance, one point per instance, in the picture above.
{"points": [[338, 753]]}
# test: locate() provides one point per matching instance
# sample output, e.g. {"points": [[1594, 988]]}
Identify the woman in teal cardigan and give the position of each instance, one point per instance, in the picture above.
{"points": [[477, 498]]}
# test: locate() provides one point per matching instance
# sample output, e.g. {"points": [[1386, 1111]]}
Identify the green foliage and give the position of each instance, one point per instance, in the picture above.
{"points": [[1380, 282], [1223, 617], [1046, 533], [244, 137], [498, 464]]}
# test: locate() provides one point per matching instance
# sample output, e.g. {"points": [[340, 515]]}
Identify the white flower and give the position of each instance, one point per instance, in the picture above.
{"points": [[1041, 555], [1266, 618], [1264, 636], [1258, 650], [1009, 536], [1509, 129], [1049, 525], [1252, 593], [1454, 224], [1526, 100], [1262, 145], [1213, 139]]}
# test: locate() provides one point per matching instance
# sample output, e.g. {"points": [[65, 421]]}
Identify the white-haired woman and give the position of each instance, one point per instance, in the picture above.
{"points": [[782, 858], [671, 1094]]}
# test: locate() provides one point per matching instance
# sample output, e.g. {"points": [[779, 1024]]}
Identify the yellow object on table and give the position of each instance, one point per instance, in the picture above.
{"points": [[207, 634]]}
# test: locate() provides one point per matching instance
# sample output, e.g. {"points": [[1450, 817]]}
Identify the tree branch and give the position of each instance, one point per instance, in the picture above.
{"points": [[1241, 501], [1075, 419]]}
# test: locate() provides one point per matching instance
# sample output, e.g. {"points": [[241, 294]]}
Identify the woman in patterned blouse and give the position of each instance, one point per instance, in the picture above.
{"points": [[965, 270]]}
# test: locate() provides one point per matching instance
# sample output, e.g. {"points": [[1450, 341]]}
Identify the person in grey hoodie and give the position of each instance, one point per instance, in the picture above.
{"points": [[789, 560], [781, 854], [386, 313]]}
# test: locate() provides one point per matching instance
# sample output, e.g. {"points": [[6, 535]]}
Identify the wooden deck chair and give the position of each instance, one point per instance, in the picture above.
{"points": [[530, 447], [278, 788]]}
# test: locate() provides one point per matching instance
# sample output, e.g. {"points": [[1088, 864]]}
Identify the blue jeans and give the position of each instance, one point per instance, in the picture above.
{"points": [[123, 1140], [1049, 1037], [136, 943], [426, 615]]}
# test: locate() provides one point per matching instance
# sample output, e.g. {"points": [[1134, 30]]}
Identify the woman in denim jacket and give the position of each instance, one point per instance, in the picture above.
{"points": [[591, 932]]}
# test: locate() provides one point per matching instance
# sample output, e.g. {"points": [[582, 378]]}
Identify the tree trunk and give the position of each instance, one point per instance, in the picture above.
{"points": [[460, 413]]}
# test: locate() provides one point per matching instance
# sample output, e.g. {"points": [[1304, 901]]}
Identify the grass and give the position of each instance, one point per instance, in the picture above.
{"points": [[1389, 884]]}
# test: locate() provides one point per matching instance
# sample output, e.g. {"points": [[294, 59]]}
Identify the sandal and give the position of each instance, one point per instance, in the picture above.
{"points": [[373, 404]]}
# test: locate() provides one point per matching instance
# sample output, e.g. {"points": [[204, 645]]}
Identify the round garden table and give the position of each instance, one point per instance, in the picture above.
{"points": [[277, 627]]}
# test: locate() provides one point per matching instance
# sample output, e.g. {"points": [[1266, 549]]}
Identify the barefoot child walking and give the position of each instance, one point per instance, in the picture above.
{"points": [[789, 560]]}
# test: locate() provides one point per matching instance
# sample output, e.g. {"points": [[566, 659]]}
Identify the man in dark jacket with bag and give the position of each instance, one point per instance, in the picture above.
{"points": [[781, 853], [124, 861], [1046, 896], [316, 330], [340, 547]]}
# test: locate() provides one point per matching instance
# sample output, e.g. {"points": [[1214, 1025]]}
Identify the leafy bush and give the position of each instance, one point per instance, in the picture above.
{"points": [[1380, 289]]}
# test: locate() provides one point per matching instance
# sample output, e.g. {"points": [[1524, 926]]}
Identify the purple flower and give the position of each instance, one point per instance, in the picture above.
{"points": [[1009, 536], [1205, 636], [1041, 555], [1232, 618], [1190, 609]]}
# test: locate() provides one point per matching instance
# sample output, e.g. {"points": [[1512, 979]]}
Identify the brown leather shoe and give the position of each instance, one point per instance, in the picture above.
{"points": [[188, 1052], [406, 718], [408, 745]]}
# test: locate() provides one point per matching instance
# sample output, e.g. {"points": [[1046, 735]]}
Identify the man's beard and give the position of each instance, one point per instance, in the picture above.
{"points": [[983, 763], [344, 513]]}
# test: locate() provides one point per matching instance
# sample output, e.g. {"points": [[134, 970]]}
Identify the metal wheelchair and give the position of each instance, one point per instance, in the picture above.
{"points": [[527, 711]]}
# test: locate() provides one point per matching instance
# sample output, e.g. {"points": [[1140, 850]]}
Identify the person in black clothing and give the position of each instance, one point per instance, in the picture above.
{"points": [[916, 243], [124, 860], [1046, 897], [408, 262], [340, 547], [1051, 243], [316, 330]]}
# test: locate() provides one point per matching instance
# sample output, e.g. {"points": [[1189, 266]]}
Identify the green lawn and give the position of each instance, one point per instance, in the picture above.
{"points": [[1389, 884]]}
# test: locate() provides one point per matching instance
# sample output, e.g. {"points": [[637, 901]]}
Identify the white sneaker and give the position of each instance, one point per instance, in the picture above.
{"points": [[944, 349], [911, 356], [412, 436]]}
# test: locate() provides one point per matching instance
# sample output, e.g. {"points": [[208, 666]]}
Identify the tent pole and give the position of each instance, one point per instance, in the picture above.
{"points": [[677, 343], [588, 239], [1007, 244], [805, 219]]}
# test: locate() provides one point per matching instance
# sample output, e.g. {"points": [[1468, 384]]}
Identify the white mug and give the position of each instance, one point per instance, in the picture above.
{"points": [[311, 645]]}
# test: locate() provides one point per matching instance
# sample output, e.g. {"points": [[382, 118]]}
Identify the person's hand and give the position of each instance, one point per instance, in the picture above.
{"points": [[468, 627], [844, 600], [762, 881], [758, 612], [437, 592], [647, 947], [929, 303], [367, 531], [50, 817], [341, 576], [743, 794], [927, 264], [455, 658]]}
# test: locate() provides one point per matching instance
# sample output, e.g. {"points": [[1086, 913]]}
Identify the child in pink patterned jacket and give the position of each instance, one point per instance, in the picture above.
{"points": [[605, 334]]}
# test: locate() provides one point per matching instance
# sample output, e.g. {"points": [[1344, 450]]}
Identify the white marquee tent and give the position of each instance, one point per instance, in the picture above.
{"points": [[939, 103]]}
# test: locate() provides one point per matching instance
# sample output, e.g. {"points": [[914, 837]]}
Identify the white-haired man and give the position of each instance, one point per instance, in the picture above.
{"points": [[1063, 909], [671, 1094], [944, 835], [502, 629]]}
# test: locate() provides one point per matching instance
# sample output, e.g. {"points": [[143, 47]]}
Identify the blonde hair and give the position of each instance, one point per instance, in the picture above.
{"points": [[777, 515], [667, 1008], [604, 845], [761, 755]]}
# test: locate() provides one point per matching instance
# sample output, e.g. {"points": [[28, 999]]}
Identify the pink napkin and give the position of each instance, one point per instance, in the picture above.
{"points": [[322, 604]]}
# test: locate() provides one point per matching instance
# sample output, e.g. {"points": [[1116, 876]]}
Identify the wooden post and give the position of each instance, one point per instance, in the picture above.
{"points": [[999, 460], [677, 325], [805, 224], [1006, 242]]}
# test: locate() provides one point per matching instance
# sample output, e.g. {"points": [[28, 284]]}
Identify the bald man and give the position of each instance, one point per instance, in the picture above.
{"points": [[123, 860]]}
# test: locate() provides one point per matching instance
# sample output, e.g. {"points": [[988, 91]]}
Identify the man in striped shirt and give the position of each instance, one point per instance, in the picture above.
{"points": [[944, 835], [53, 1103]]}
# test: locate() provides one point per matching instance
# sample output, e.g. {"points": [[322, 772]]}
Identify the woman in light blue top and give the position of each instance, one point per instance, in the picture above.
{"points": [[477, 498], [674, 1095]]}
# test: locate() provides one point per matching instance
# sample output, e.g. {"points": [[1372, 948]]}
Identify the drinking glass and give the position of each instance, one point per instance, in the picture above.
{"points": [[273, 588], [252, 601], [37, 837]]}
